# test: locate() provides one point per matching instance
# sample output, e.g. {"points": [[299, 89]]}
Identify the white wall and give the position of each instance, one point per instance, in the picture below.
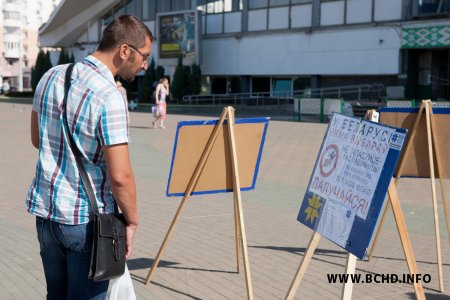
{"points": [[349, 52]]}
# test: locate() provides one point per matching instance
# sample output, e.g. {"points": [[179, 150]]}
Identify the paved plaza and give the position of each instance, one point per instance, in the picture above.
{"points": [[200, 259]]}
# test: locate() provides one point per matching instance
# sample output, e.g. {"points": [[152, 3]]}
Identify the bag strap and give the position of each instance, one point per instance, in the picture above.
{"points": [[76, 152]]}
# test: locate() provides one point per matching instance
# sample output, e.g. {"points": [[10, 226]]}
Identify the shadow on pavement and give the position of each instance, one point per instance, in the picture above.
{"points": [[302, 250], [146, 263]]}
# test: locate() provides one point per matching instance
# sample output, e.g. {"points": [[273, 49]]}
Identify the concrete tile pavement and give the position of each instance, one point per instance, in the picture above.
{"points": [[199, 262]]}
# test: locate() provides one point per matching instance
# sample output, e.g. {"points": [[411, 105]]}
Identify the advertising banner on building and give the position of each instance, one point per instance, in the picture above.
{"points": [[178, 35]]}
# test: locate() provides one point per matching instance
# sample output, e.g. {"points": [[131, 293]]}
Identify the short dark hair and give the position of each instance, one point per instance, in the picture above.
{"points": [[125, 29]]}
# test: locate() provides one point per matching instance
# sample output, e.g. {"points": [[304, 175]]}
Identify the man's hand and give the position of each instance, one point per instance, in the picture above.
{"points": [[34, 129], [130, 231], [121, 180]]}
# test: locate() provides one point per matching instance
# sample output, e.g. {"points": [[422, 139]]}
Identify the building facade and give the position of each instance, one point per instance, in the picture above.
{"points": [[283, 45], [19, 24]]}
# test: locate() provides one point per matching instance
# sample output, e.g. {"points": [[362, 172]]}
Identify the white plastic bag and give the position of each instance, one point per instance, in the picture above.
{"points": [[121, 288]]}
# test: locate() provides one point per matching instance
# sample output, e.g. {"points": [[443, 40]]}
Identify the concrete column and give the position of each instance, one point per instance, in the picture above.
{"points": [[315, 13]]}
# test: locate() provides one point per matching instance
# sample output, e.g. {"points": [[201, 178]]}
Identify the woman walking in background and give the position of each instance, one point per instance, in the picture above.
{"points": [[162, 90]]}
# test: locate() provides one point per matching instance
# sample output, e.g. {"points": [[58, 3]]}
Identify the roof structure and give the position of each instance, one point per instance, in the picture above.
{"points": [[71, 19]]}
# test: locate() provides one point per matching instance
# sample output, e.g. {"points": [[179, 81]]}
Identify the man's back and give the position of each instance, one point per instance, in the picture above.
{"points": [[97, 116]]}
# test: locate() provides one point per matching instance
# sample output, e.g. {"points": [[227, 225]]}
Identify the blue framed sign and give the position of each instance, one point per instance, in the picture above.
{"points": [[216, 176], [350, 180]]}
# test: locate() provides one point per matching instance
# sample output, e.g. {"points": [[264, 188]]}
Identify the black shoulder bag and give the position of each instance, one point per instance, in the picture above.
{"points": [[108, 248]]}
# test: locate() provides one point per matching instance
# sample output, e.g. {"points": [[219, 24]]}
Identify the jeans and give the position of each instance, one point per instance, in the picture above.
{"points": [[66, 255]]}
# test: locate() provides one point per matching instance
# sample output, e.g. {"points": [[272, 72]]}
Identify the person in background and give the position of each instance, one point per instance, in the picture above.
{"points": [[122, 90], [97, 118], [5, 87], [162, 91]]}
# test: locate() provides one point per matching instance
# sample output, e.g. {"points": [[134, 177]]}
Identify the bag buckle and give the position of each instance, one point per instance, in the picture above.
{"points": [[115, 243]]}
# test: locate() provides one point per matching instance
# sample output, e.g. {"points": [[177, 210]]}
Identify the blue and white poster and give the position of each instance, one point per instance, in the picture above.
{"points": [[350, 180]]}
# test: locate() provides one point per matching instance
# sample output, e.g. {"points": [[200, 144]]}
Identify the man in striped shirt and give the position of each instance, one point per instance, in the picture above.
{"points": [[97, 118]]}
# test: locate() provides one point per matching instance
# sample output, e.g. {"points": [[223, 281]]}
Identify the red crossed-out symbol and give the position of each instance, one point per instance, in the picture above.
{"points": [[329, 160]]}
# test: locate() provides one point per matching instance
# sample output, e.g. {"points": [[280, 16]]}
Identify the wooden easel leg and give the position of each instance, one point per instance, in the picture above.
{"points": [[237, 232], [166, 240], [399, 171], [433, 192], [439, 168], [404, 237], [237, 193], [347, 289], [189, 189], [383, 218], [444, 202], [303, 266]]}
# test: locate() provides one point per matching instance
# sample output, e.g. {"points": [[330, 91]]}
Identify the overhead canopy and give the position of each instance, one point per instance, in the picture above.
{"points": [[70, 19]]}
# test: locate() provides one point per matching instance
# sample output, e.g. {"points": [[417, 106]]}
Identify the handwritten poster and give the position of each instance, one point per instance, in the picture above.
{"points": [[350, 180]]}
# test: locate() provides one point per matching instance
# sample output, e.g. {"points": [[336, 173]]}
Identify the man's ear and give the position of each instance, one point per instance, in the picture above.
{"points": [[124, 51]]}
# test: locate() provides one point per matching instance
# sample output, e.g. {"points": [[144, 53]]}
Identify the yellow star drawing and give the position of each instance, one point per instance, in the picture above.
{"points": [[312, 211]]}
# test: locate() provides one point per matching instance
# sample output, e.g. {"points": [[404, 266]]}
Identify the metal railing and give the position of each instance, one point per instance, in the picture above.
{"points": [[350, 92], [257, 99]]}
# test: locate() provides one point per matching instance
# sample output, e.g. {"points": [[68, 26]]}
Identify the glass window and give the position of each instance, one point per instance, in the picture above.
{"points": [[13, 15], [12, 30], [300, 1], [253, 4], [430, 7], [202, 8], [119, 12], [148, 10], [107, 19], [132, 8], [181, 5], [260, 84], [219, 6], [279, 2], [162, 6], [218, 85], [228, 5], [302, 86], [281, 87], [234, 85], [214, 7], [232, 5]]}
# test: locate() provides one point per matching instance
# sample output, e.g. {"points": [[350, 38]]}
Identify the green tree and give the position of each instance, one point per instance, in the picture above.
{"points": [[196, 79], [147, 82], [64, 58], [48, 62], [159, 72], [187, 76], [177, 86], [43, 64]]}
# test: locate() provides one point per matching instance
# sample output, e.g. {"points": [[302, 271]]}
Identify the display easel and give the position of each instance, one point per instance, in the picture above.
{"points": [[427, 109], [228, 112], [351, 259]]}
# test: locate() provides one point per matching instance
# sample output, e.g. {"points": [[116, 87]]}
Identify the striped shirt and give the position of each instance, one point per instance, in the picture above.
{"points": [[97, 116]]}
